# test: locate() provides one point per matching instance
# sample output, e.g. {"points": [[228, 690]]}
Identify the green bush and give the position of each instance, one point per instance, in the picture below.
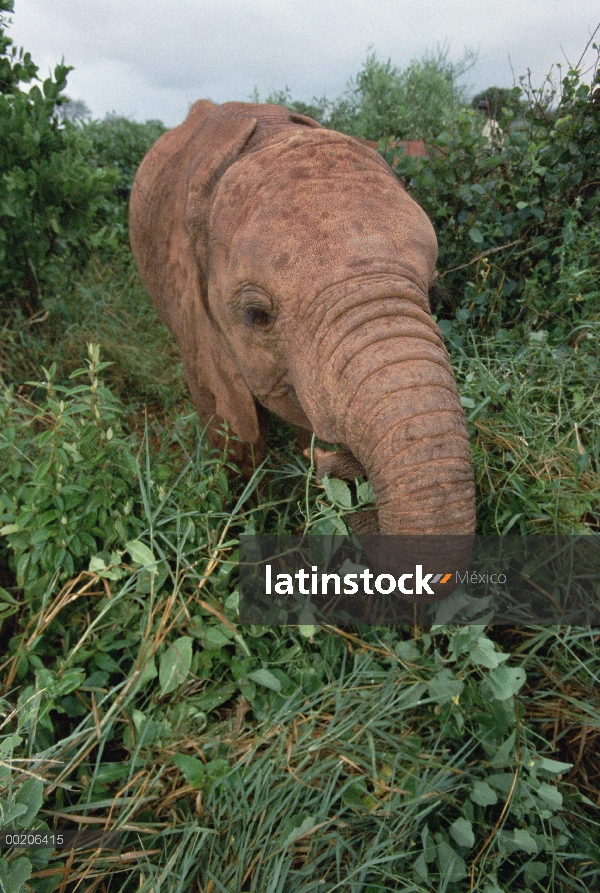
{"points": [[382, 101], [119, 144], [418, 102], [517, 221], [66, 475], [51, 197]]}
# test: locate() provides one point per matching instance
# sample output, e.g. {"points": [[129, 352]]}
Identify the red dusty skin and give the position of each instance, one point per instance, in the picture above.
{"points": [[382, 365]]}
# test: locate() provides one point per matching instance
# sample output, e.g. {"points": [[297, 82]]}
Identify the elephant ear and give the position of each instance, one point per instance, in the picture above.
{"points": [[210, 365], [304, 119]]}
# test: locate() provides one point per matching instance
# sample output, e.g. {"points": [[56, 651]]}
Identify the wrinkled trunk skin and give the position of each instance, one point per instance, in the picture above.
{"points": [[377, 365]]}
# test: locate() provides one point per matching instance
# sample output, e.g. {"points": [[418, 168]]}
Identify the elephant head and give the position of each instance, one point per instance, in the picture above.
{"points": [[293, 270]]}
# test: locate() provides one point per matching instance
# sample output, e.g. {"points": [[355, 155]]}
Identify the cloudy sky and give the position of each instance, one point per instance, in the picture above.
{"points": [[150, 59]]}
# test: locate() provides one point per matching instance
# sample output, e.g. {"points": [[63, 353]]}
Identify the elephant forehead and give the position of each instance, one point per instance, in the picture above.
{"points": [[315, 203]]}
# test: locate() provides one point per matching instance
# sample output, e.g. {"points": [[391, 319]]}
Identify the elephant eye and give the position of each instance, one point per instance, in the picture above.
{"points": [[257, 316]]}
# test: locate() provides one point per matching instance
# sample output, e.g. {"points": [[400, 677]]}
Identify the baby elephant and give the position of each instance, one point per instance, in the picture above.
{"points": [[293, 270]]}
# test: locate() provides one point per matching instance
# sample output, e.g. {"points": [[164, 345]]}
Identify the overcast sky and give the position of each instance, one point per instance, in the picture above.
{"points": [[150, 59]]}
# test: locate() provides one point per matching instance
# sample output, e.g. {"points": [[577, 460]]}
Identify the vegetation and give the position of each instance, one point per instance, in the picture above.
{"points": [[383, 101], [500, 98], [247, 758], [51, 197]]}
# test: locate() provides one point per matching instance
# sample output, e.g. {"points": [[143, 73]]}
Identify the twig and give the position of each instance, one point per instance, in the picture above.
{"points": [[481, 255], [506, 804]]}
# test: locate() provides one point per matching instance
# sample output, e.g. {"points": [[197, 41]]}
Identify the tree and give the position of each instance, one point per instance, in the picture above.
{"points": [[74, 110], [418, 102], [501, 98], [121, 144]]}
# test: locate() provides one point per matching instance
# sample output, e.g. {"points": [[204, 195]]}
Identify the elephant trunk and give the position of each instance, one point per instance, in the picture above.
{"points": [[382, 385]]}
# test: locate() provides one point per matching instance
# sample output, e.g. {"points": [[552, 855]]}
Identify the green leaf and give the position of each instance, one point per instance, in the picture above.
{"points": [[503, 755], [356, 794], [551, 795], [300, 825], [69, 681], [109, 772], [192, 768], [505, 681], [266, 678], [22, 565], [10, 812], [8, 744], [338, 492], [452, 866], [483, 794], [476, 236], [109, 571], [214, 696], [175, 664], [553, 766], [14, 875], [462, 832], [217, 768], [524, 841], [485, 654], [420, 866], [490, 885], [534, 872], [444, 687], [214, 638], [148, 673], [365, 493], [7, 597], [30, 795], [140, 553]]}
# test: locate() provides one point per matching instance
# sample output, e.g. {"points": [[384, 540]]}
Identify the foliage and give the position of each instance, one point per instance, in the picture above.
{"points": [[50, 195], [533, 412], [525, 211], [383, 101], [500, 99], [106, 303], [441, 778], [242, 757], [74, 109], [118, 143], [418, 102], [63, 465]]}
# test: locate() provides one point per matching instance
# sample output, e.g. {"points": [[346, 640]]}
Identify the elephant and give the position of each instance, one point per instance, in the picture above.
{"points": [[293, 270]]}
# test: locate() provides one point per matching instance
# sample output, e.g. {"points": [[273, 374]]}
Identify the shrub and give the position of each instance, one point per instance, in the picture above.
{"points": [[121, 144], [500, 99], [66, 474], [516, 221], [418, 102], [50, 195]]}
